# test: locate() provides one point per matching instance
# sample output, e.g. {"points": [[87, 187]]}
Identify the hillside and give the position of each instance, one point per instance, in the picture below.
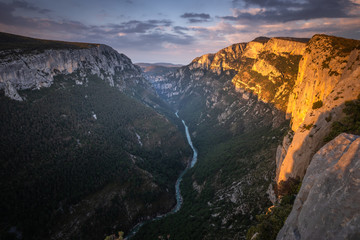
{"points": [[87, 147]]}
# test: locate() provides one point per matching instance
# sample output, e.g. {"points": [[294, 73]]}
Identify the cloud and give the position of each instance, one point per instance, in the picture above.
{"points": [[135, 26], [291, 10], [196, 17], [28, 6], [134, 34]]}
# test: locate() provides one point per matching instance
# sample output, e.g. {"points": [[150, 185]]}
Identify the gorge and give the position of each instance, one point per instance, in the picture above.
{"points": [[179, 198], [259, 114]]}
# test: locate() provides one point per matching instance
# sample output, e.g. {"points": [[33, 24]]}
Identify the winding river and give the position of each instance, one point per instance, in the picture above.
{"points": [[179, 198]]}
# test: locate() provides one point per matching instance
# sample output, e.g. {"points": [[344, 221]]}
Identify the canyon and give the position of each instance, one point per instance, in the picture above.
{"points": [[260, 114]]}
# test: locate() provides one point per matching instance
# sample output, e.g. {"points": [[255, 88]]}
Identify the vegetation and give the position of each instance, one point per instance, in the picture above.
{"points": [[269, 224], [114, 237], [68, 143], [307, 126], [350, 123], [337, 46], [317, 104]]}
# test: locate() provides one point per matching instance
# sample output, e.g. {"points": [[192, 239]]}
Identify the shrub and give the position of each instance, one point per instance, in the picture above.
{"points": [[308, 127], [269, 224], [328, 118], [349, 124], [317, 104]]}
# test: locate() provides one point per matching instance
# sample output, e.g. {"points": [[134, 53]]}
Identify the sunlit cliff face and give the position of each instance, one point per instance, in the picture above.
{"points": [[308, 80], [328, 75]]}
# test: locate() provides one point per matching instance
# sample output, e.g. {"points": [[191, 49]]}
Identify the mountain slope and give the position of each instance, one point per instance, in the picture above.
{"points": [[81, 159]]}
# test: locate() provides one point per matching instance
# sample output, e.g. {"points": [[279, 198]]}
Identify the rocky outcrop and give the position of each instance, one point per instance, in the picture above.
{"points": [[35, 69], [328, 76], [325, 207]]}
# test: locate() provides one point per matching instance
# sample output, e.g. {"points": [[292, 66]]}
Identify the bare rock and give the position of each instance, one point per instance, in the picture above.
{"points": [[35, 70], [327, 75], [327, 206]]}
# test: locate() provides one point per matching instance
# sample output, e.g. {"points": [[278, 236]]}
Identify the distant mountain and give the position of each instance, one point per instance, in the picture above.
{"points": [[168, 65], [157, 74]]}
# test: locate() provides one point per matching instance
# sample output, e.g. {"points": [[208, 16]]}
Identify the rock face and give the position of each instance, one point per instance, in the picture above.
{"points": [[34, 70], [326, 206], [269, 69], [329, 74]]}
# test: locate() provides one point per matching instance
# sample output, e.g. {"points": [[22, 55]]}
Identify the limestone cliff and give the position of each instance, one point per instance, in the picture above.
{"points": [[269, 69], [329, 75], [326, 206], [36, 69]]}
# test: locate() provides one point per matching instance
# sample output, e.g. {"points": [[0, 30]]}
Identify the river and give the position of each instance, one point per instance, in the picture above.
{"points": [[179, 198]]}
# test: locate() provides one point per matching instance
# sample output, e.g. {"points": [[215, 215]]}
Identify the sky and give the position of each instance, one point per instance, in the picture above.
{"points": [[177, 31]]}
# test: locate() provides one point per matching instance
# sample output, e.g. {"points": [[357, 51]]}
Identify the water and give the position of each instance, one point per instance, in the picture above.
{"points": [[179, 199]]}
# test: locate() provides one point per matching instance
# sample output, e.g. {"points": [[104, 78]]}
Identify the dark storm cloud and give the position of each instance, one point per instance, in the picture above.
{"points": [[290, 10], [196, 17]]}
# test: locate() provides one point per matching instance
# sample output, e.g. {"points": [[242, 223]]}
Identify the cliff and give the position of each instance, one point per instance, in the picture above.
{"points": [[328, 76], [34, 68], [269, 69], [327, 205]]}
